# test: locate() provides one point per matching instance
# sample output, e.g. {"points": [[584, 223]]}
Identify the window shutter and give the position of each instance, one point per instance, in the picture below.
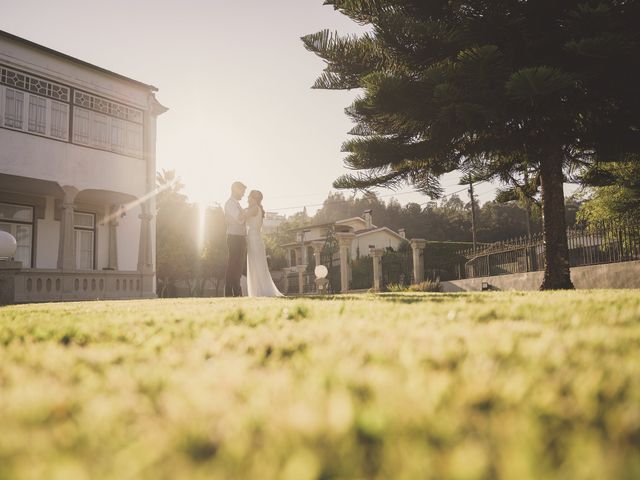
{"points": [[14, 103], [59, 120]]}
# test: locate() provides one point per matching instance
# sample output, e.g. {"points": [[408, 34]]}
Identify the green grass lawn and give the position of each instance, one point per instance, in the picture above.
{"points": [[396, 386]]}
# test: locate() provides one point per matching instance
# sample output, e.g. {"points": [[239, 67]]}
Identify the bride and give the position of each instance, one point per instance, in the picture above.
{"points": [[259, 281]]}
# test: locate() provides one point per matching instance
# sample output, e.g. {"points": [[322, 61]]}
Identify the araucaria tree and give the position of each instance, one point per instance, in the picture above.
{"points": [[487, 85]]}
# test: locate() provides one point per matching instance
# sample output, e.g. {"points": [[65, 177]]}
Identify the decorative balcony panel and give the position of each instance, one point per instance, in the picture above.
{"points": [[108, 107], [34, 84]]}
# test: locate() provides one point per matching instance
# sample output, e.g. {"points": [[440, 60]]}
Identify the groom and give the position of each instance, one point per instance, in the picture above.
{"points": [[236, 240]]}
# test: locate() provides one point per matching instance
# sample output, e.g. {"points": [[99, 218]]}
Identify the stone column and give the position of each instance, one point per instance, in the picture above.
{"points": [[417, 247], [317, 251], [145, 263], [112, 263], [344, 240], [376, 255], [154, 110], [301, 270], [67, 245]]}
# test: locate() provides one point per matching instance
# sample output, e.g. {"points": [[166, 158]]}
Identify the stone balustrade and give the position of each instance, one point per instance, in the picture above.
{"points": [[55, 285]]}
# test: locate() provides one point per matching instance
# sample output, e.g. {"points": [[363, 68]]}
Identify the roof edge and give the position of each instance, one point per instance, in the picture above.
{"points": [[29, 43], [380, 229]]}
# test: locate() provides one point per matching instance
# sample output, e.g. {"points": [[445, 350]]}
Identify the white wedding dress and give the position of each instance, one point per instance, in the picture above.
{"points": [[259, 281]]}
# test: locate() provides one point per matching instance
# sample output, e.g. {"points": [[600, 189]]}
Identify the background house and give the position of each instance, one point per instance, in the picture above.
{"points": [[311, 239], [272, 221], [77, 175]]}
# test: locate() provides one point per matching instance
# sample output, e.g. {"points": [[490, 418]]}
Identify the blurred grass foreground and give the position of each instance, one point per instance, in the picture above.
{"points": [[393, 386]]}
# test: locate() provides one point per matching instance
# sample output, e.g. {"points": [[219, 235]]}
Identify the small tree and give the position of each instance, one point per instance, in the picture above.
{"points": [[178, 257], [614, 194]]}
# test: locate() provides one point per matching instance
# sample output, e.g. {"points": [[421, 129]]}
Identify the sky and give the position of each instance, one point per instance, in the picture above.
{"points": [[236, 79]]}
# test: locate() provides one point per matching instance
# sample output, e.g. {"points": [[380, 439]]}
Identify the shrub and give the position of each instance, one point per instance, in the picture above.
{"points": [[396, 287], [426, 286]]}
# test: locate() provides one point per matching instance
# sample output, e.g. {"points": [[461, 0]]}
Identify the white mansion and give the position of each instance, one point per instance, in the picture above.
{"points": [[363, 237], [77, 175]]}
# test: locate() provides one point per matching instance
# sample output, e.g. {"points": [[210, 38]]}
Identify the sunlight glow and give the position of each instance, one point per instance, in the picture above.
{"points": [[131, 205], [202, 211]]}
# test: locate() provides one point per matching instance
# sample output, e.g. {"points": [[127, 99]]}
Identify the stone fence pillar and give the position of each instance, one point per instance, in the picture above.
{"points": [[344, 240], [317, 251], [285, 280], [417, 247], [301, 270], [376, 256]]}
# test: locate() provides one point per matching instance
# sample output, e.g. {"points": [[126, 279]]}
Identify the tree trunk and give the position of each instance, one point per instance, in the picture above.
{"points": [[556, 269]]}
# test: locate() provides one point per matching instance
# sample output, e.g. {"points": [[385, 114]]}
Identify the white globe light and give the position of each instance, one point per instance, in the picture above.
{"points": [[321, 271], [8, 245]]}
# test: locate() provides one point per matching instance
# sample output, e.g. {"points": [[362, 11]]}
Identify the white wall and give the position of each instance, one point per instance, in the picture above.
{"points": [[381, 239], [316, 233], [128, 233], [48, 238], [67, 164]]}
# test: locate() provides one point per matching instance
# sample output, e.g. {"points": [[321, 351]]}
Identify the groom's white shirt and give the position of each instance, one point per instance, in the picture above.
{"points": [[233, 214]]}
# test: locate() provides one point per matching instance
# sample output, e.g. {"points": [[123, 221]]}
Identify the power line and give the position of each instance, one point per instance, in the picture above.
{"points": [[324, 193], [449, 195], [487, 191], [395, 194]]}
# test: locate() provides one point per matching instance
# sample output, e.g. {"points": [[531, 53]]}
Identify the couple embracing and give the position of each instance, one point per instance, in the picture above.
{"points": [[244, 241]]}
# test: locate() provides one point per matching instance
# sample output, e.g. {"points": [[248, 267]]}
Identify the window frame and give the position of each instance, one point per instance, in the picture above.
{"points": [[26, 120], [108, 142], [81, 228], [5, 103], [38, 103]]}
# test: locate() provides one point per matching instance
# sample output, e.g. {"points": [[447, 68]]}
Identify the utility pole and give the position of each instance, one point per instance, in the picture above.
{"points": [[527, 201], [473, 215]]}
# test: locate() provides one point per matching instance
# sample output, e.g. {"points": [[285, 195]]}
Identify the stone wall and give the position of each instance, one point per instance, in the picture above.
{"points": [[611, 275]]}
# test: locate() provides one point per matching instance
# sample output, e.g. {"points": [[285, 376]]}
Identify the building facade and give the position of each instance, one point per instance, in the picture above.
{"points": [[77, 175], [365, 236]]}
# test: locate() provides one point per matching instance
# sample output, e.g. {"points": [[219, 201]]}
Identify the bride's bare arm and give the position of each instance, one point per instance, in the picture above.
{"points": [[249, 212]]}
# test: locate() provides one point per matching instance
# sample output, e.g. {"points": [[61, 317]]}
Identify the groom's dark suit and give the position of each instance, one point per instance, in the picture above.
{"points": [[237, 246]]}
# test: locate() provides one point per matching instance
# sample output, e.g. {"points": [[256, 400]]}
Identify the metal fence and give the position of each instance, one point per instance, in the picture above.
{"points": [[397, 268], [292, 283], [592, 245], [361, 273]]}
